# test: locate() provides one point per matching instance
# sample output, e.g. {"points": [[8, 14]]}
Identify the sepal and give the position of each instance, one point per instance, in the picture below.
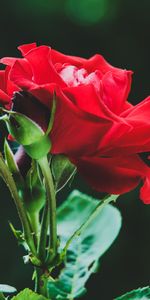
{"points": [[12, 165], [29, 134], [34, 194]]}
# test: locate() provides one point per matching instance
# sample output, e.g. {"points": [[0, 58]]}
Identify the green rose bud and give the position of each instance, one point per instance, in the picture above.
{"points": [[27, 133]]}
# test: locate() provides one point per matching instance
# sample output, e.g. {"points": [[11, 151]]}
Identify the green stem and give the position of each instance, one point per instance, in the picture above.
{"points": [[41, 282], [43, 233], [34, 221], [7, 177], [51, 204], [93, 215]]}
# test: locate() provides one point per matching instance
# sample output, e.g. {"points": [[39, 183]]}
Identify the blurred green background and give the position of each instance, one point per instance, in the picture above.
{"points": [[119, 30]]}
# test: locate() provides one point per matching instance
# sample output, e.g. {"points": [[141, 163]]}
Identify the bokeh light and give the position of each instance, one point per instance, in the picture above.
{"points": [[90, 11]]}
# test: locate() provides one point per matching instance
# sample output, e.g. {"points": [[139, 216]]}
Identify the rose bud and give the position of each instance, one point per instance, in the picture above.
{"points": [[27, 132]]}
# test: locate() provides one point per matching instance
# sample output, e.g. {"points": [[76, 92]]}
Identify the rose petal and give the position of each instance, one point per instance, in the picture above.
{"points": [[26, 48], [138, 138], [97, 62], [90, 102], [115, 89], [4, 98], [114, 175], [8, 61], [21, 74], [76, 131], [42, 68], [58, 57]]}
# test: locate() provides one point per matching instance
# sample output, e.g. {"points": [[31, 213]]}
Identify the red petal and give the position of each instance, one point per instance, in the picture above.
{"points": [[76, 131], [9, 61], [114, 175], [86, 98], [26, 48], [44, 93], [115, 90], [138, 138], [97, 62], [58, 57], [145, 190], [4, 98], [3, 80], [5, 84], [43, 70], [21, 74]]}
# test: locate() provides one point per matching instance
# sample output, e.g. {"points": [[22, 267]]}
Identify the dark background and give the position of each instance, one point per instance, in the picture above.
{"points": [[119, 30]]}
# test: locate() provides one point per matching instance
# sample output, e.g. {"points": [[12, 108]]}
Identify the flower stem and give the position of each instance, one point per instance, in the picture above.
{"points": [[34, 221], [43, 233], [41, 282], [7, 177], [94, 213], [51, 206]]}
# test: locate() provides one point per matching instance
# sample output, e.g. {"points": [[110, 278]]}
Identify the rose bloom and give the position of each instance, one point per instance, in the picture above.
{"points": [[95, 126]]}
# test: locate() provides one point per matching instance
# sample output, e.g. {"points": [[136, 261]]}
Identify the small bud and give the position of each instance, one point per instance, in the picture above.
{"points": [[27, 133], [35, 261], [23, 129]]}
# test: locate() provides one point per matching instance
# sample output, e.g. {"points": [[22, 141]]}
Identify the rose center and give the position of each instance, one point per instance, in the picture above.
{"points": [[74, 77]]}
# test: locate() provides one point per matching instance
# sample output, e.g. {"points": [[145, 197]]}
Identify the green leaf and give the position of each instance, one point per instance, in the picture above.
{"points": [[88, 244], [4, 288], [62, 169], [139, 294], [19, 236], [34, 194], [2, 297], [27, 294]]}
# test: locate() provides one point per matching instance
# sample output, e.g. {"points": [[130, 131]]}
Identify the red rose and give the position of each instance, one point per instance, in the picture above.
{"points": [[7, 88], [94, 124]]}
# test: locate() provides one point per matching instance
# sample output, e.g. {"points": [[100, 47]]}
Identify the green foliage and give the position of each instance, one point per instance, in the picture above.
{"points": [[19, 236], [86, 245], [28, 295], [62, 169], [139, 294], [34, 194], [2, 296], [40, 148]]}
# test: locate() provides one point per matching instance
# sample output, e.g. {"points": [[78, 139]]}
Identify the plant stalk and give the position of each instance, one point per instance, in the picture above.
{"points": [[51, 206], [43, 233], [94, 213], [7, 177], [41, 279]]}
